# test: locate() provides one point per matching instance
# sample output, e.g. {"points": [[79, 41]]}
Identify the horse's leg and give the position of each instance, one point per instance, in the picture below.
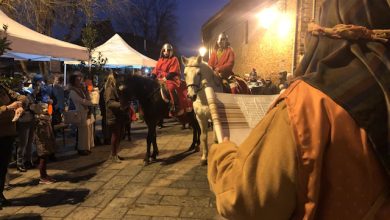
{"points": [[148, 143], [199, 132], [195, 131], [203, 137], [154, 142]]}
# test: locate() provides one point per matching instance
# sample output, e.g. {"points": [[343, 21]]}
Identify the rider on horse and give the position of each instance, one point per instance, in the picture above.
{"points": [[168, 71], [222, 62]]}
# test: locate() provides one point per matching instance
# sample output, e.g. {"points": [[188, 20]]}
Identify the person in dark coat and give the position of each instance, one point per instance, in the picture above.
{"points": [[116, 116]]}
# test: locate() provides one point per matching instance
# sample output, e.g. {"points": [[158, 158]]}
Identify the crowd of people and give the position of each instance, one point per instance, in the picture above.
{"points": [[333, 159], [30, 113]]}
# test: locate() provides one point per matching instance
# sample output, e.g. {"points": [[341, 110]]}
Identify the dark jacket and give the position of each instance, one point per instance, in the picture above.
{"points": [[7, 96], [114, 113]]}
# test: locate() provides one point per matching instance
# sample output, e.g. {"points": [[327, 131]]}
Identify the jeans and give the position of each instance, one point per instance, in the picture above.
{"points": [[26, 136]]}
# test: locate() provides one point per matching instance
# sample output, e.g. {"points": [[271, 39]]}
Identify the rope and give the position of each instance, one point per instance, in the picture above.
{"points": [[350, 32]]}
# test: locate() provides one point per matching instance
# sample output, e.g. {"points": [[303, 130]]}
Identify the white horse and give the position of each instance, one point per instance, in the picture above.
{"points": [[199, 75]]}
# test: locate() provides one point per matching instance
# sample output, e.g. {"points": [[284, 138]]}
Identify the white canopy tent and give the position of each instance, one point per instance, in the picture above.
{"points": [[25, 40], [119, 54]]}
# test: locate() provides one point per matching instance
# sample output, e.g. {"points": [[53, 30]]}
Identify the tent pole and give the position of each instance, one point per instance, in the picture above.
{"points": [[64, 74]]}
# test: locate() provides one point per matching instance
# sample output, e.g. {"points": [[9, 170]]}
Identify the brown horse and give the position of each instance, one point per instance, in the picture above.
{"points": [[155, 106], [199, 75]]}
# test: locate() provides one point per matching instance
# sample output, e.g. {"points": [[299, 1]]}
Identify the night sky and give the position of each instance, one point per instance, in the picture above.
{"points": [[192, 14]]}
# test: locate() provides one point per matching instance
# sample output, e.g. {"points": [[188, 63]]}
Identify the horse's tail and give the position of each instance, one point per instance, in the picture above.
{"points": [[240, 86]]}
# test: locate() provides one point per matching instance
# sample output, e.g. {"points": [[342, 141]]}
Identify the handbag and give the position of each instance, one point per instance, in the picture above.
{"points": [[72, 117]]}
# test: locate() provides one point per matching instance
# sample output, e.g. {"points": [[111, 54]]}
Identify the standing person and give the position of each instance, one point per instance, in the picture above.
{"points": [[25, 128], [58, 92], [222, 60], [116, 116], [253, 75], [43, 133], [10, 104], [81, 101], [322, 150], [102, 107]]}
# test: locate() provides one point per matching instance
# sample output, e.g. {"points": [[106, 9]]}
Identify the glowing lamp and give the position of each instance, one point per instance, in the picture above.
{"points": [[267, 17], [202, 51], [284, 26]]}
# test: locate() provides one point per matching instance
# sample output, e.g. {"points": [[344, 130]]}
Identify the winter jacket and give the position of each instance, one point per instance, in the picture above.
{"points": [[114, 113], [306, 159], [7, 96]]}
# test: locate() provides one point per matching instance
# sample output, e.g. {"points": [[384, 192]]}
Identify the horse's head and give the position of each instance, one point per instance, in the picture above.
{"points": [[192, 74], [126, 88], [132, 87]]}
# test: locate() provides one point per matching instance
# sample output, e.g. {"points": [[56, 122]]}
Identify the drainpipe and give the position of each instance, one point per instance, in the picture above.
{"points": [[295, 37], [313, 14]]}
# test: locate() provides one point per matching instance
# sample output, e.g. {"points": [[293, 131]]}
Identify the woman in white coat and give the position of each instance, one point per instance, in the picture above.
{"points": [[82, 101]]}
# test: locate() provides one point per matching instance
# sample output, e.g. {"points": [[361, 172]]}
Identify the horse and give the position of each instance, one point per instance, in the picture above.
{"points": [[155, 105], [198, 75]]}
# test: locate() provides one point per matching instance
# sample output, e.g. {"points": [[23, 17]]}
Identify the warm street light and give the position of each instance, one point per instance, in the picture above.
{"points": [[284, 25], [202, 51], [268, 16]]}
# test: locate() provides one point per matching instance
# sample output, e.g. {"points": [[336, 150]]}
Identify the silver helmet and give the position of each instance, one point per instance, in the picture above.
{"points": [[166, 47], [223, 40]]}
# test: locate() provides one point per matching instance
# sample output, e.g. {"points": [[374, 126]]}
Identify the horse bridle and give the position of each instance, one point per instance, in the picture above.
{"points": [[198, 87]]}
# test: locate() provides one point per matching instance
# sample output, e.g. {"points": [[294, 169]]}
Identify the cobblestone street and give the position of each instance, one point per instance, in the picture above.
{"points": [[89, 187]]}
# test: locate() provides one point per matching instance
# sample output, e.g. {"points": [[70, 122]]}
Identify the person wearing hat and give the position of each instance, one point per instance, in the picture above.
{"points": [[166, 64], [168, 69], [10, 104], [323, 149], [222, 60], [44, 136]]}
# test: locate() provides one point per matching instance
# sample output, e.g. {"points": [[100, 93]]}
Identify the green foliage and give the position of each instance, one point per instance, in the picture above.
{"points": [[96, 69], [99, 62], [4, 42], [88, 37]]}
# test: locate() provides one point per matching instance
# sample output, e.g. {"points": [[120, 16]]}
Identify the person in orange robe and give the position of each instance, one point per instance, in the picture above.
{"points": [[222, 62], [168, 70], [167, 63], [222, 58]]}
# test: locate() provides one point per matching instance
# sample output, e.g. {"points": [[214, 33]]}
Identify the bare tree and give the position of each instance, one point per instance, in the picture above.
{"points": [[155, 20], [43, 15]]}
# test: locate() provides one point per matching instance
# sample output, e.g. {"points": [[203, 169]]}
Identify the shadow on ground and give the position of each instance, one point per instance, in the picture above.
{"points": [[53, 197], [175, 158], [30, 216]]}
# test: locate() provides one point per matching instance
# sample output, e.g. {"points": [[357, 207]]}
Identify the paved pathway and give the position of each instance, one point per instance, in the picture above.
{"points": [[88, 187]]}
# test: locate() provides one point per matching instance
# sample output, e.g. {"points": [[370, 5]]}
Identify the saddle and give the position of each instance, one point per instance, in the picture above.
{"points": [[235, 85], [171, 95]]}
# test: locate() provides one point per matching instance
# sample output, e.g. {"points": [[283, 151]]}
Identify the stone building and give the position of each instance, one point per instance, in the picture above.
{"points": [[267, 35]]}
